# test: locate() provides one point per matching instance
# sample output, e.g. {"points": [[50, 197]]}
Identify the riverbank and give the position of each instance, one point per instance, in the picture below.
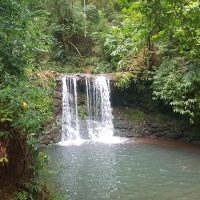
{"points": [[135, 122], [167, 142]]}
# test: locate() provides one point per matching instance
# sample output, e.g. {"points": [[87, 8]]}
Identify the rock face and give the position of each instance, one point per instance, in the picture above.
{"points": [[58, 98], [131, 122], [52, 133]]}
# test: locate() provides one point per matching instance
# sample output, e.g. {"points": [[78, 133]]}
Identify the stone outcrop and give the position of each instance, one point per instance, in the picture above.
{"points": [[58, 98]]}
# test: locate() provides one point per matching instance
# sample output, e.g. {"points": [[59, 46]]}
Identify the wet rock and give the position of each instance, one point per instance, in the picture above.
{"points": [[57, 103], [160, 134], [185, 139], [57, 110], [81, 98], [197, 142], [173, 135], [59, 86], [58, 95], [129, 123], [52, 132]]}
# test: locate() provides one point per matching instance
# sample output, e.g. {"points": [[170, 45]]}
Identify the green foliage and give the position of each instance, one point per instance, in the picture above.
{"points": [[95, 64], [177, 83], [123, 81], [169, 32], [124, 38], [82, 110], [21, 37], [30, 191], [42, 34], [3, 160], [41, 162], [22, 196], [75, 64], [3, 154], [171, 26], [27, 106], [4, 134], [92, 14], [67, 16], [34, 190], [24, 104], [66, 21]]}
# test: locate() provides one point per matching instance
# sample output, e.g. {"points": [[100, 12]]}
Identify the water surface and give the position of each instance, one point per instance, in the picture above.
{"points": [[129, 171]]}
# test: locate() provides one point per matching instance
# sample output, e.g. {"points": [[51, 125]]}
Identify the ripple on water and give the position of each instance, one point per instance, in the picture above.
{"points": [[127, 171]]}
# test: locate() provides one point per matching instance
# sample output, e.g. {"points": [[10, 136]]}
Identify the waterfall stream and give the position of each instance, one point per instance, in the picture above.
{"points": [[99, 118], [70, 122]]}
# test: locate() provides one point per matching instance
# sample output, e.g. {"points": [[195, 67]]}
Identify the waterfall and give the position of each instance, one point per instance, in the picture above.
{"points": [[99, 119], [70, 122], [100, 116]]}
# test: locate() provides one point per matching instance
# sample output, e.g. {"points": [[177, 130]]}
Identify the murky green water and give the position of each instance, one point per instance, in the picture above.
{"points": [[126, 171]]}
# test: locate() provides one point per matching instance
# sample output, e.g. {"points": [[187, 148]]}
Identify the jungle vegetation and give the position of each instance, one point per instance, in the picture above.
{"points": [[157, 42]]}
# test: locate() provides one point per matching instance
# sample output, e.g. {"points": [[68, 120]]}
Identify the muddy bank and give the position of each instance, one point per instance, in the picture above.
{"points": [[166, 142]]}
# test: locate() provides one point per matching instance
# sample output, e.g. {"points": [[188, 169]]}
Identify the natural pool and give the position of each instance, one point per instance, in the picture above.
{"points": [[127, 171]]}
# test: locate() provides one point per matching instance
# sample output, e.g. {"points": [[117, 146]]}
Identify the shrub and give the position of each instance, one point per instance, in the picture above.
{"points": [[177, 83], [26, 104]]}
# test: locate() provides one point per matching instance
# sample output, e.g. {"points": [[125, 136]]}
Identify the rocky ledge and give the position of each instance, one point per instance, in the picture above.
{"points": [[132, 122]]}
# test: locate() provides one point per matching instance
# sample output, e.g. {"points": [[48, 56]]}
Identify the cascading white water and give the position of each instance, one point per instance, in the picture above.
{"points": [[99, 120], [100, 126], [70, 122]]}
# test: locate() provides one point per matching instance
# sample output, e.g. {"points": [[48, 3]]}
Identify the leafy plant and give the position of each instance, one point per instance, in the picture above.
{"points": [[123, 81], [21, 36], [176, 83], [22, 196], [82, 110], [3, 154]]}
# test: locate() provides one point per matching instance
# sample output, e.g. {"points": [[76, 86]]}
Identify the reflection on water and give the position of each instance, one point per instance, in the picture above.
{"points": [[126, 171]]}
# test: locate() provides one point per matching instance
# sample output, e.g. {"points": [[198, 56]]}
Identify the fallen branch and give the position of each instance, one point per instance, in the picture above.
{"points": [[75, 48]]}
